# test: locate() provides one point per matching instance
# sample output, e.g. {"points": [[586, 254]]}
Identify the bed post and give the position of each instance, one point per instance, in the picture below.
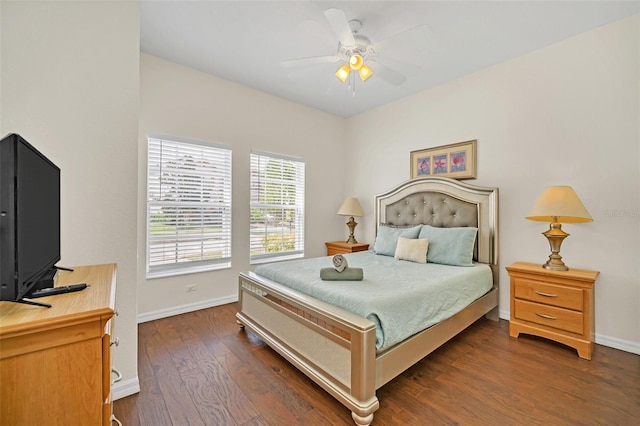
{"points": [[363, 377]]}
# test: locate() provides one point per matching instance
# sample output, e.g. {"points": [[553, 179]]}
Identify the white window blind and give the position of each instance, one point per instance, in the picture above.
{"points": [[188, 206], [277, 207]]}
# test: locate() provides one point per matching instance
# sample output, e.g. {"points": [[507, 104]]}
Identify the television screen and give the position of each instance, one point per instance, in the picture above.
{"points": [[29, 216]]}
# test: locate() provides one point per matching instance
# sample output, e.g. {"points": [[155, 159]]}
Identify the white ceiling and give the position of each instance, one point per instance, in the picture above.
{"points": [[244, 41]]}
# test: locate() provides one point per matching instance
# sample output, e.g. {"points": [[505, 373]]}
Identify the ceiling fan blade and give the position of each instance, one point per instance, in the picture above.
{"points": [[411, 39], [386, 73], [340, 26], [290, 63]]}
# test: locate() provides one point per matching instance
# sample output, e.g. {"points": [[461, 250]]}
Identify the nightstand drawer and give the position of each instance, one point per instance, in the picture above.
{"points": [[562, 319], [337, 250], [549, 294]]}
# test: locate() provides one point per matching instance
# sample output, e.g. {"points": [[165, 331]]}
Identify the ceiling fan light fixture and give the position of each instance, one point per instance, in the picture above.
{"points": [[356, 62], [343, 73], [365, 72]]}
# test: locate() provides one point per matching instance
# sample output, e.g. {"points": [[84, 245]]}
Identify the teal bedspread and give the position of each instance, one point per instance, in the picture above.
{"points": [[401, 298]]}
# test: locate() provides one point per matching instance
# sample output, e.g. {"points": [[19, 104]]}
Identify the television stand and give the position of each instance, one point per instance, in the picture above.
{"points": [[28, 301], [66, 348]]}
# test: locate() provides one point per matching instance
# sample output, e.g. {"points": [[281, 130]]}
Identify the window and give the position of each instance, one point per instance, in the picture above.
{"points": [[188, 206], [277, 207]]}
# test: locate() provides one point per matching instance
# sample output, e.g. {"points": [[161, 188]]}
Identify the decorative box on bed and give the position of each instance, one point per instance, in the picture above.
{"points": [[337, 348]]}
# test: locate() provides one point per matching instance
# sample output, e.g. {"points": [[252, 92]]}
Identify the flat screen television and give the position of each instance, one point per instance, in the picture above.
{"points": [[29, 217]]}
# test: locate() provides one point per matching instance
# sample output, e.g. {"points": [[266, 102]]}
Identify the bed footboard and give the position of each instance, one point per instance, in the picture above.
{"points": [[333, 347]]}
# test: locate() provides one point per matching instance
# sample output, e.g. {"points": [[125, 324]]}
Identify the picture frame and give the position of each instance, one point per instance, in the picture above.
{"points": [[457, 161]]}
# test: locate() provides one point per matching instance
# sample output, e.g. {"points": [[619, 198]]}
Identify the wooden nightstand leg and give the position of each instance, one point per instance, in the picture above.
{"points": [[585, 351], [513, 331]]}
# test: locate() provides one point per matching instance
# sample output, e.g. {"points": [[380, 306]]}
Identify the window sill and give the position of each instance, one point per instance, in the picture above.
{"points": [[185, 271]]}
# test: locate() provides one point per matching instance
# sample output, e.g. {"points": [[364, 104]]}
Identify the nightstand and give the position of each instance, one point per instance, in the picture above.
{"points": [[340, 247], [557, 305]]}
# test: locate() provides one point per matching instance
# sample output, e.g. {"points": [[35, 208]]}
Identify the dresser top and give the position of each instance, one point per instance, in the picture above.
{"points": [[97, 299]]}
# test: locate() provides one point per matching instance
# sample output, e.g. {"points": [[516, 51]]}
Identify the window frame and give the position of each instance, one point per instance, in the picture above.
{"points": [[220, 171], [298, 208]]}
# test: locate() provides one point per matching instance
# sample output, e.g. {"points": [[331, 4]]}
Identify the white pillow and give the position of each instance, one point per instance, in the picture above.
{"points": [[413, 250]]}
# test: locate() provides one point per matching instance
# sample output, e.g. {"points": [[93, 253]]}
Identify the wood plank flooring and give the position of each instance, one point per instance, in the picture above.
{"points": [[200, 368]]}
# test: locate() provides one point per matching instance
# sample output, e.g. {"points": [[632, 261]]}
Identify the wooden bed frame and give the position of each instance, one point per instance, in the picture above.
{"points": [[336, 348]]}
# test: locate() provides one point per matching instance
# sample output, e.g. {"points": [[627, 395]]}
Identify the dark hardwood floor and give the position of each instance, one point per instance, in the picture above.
{"points": [[200, 368]]}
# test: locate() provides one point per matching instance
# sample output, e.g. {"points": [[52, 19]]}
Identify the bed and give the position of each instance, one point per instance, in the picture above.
{"points": [[340, 350]]}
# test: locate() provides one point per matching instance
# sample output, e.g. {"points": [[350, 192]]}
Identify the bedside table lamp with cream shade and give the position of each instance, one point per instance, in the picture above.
{"points": [[558, 204], [351, 207]]}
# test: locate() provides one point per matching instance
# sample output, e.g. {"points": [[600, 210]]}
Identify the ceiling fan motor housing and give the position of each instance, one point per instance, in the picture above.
{"points": [[361, 47]]}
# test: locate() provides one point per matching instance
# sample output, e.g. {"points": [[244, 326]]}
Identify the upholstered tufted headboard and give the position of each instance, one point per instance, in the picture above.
{"points": [[447, 203], [432, 208]]}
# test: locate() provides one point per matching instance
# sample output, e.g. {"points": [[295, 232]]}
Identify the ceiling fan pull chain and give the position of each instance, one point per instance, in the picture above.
{"points": [[353, 82]]}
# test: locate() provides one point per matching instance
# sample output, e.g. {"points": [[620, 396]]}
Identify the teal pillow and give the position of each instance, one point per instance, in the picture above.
{"points": [[387, 238], [450, 246]]}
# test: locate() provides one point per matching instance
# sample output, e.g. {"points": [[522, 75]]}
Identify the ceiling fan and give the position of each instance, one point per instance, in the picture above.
{"points": [[358, 54]]}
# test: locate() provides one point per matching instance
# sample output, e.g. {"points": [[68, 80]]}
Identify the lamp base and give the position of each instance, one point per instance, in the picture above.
{"points": [[555, 265], [352, 226], [555, 235]]}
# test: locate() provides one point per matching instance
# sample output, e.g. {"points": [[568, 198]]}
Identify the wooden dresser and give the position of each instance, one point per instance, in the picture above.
{"points": [[340, 247], [557, 305], [55, 363]]}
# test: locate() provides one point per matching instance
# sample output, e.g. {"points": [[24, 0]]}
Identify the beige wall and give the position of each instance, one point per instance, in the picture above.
{"points": [[70, 86], [564, 115], [180, 101], [567, 114]]}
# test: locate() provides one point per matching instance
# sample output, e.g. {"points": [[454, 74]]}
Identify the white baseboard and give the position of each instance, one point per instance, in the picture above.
{"points": [[125, 388], [505, 315], [183, 309], [614, 342]]}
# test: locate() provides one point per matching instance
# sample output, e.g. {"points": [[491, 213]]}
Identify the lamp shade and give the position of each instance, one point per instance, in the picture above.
{"points": [[355, 62], [350, 207], [561, 203], [343, 72], [365, 72]]}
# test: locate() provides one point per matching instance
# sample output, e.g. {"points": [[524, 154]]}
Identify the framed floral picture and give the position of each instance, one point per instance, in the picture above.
{"points": [[457, 161]]}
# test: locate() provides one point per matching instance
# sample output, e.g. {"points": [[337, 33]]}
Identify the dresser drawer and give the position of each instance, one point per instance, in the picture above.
{"points": [[550, 316], [549, 294]]}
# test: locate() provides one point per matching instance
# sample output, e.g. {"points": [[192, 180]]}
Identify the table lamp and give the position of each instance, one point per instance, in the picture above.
{"points": [[351, 207], [558, 204]]}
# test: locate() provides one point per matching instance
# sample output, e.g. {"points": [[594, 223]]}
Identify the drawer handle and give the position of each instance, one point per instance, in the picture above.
{"points": [[115, 419], [546, 316], [545, 294], [117, 373], [116, 342]]}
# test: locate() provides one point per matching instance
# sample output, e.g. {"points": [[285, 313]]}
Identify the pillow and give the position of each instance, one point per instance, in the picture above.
{"points": [[450, 246], [387, 238], [413, 250]]}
